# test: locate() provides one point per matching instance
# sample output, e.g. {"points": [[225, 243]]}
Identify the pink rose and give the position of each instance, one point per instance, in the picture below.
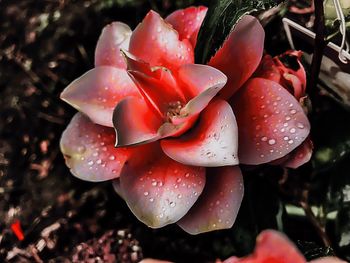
{"points": [[180, 128], [274, 247]]}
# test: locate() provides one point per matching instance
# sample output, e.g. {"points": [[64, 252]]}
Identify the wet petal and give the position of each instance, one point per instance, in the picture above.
{"points": [[116, 187], [300, 155], [200, 82], [157, 84], [158, 190], [89, 150], [135, 122], [218, 206], [113, 37], [98, 91], [213, 142], [240, 54], [157, 43], [160, 93], [187, 22], [195, 79], [271, 122]]}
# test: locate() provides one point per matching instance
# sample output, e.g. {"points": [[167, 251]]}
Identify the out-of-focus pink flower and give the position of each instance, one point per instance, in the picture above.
{"points": [[174, 123], [274, 247], [271, 247]]}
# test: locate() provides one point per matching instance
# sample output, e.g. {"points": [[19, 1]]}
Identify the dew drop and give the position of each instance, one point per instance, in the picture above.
{"points": [[81, 149], [264, 139], [300, 125], [272, 141], [292, 130], [145, 193]]}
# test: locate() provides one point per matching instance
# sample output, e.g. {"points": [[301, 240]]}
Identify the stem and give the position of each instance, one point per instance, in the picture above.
{"points": [[320, 229], [319, 44]]}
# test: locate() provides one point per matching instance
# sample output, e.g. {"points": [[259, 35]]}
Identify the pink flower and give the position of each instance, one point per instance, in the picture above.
{"points": [[274, 247], [271, 247], [178, 143]]}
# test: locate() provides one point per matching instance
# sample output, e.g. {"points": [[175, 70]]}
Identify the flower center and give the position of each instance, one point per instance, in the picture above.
{"points": [[173, 110]]}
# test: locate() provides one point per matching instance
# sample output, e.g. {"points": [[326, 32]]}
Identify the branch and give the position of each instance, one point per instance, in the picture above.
{"points": [[319, 45]]}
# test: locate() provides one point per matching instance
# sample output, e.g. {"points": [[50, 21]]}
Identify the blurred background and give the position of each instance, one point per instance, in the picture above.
{"points": [[47, 215]]}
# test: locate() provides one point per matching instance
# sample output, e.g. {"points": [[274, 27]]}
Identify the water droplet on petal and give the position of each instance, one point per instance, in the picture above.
{"points": [[272, 141], [300, 125]]}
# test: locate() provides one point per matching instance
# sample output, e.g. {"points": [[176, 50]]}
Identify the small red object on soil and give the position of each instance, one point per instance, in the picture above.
{"points": [[17, 230]]}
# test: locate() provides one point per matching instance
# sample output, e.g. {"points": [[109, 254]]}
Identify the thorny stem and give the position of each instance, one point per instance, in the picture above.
{"points": [[319, 44], [320, 229]]}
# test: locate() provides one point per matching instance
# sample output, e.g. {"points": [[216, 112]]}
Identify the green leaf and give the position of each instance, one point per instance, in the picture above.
{"points": [[221, 18], [313, 251]]}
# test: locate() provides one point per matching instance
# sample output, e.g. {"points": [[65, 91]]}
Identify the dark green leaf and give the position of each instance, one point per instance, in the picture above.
{"points": [[221, 18], [331, 135], [312, 251]]}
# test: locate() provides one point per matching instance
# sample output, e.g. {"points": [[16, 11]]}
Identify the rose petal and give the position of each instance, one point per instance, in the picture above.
{"points": [[240, 54], [187, 22], [285, 69], [117, 188], [200, 82], [159, 92], [213, 142], [300, 155], [135, 122], [159, 191], [218, 206], [195, 79], [89, 150], [98, 91], [157, 43], [113, 37], [271, 122], [265, 250]]}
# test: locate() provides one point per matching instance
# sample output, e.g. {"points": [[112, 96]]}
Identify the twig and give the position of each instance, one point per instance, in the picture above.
{"points": [[319, 45], [320, 229]]}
